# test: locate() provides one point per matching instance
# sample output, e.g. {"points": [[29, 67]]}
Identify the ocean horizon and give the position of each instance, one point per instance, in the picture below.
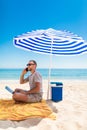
{"points": [[14, 73]]}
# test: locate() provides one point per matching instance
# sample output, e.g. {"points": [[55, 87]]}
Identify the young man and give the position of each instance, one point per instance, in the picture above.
{"points": [[35, 83]]}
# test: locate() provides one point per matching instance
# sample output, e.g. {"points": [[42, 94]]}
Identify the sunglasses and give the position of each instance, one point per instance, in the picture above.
{"points": [[30, 64]]}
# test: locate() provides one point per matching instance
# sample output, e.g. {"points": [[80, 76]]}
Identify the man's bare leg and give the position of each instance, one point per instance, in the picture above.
{"points": [[17, 96]]}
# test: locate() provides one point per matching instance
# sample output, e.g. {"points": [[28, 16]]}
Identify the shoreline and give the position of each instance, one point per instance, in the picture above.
{"points": [[54, 79]]}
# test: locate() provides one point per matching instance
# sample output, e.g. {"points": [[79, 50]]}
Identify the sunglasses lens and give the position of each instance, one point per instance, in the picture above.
{"points": [[29, 64]]}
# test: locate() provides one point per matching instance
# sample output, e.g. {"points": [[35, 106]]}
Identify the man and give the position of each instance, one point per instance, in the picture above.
{"points": [[35, 83]]}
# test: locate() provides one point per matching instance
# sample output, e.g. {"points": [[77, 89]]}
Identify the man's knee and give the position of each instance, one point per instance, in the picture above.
{"points": [[16, 96], [19, 97]]}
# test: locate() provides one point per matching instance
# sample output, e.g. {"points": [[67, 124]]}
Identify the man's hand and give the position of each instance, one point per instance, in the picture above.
{"points": [[24, 71]]}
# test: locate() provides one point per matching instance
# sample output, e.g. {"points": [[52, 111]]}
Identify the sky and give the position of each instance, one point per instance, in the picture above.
{"points": [[21, 16]]}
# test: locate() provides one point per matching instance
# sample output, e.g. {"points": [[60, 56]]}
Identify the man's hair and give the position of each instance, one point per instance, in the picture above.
{"points": [[33, 62]]}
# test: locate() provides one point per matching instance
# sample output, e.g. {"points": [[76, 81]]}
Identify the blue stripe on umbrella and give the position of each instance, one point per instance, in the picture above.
{"points": [[67, 42], [45, 44], [67, 47], [51, 42], [57, 45], [71, 53], [31, 47], [47, 52], [39, 40], [56, 51]]}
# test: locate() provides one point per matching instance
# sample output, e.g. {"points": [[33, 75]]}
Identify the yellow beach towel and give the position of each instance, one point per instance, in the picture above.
{"points": [[12, 111]]}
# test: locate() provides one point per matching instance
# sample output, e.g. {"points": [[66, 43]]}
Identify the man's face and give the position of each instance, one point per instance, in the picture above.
{"points": [[31, 66]]}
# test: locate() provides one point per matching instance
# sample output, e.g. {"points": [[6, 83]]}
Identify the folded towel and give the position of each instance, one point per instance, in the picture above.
{"points": [[20, 111]]}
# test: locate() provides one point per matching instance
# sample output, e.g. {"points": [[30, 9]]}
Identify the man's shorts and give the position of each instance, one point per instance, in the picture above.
{"points": [[34, 97]]}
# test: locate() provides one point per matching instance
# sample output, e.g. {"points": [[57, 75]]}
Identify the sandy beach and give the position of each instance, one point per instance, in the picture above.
{"points": [[71, 112]]}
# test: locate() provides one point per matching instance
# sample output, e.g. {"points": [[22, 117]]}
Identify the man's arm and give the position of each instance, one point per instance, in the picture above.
{"points": [[22, 80], [35, 89]]}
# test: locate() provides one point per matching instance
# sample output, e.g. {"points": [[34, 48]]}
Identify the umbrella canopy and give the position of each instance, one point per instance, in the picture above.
{"points": [[53, 42]]}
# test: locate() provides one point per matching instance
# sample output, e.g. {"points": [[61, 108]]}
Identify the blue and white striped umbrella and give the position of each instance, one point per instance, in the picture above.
{"points": [[51, 41]]}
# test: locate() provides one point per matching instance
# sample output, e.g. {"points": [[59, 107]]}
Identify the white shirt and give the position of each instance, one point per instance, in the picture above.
{"points": [[33, 78]]}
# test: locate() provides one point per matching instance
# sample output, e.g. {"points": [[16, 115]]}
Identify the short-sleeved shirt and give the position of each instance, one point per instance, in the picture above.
{"points": [[33, 78]]}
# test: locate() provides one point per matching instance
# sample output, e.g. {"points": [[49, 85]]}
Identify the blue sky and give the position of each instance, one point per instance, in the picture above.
{"points": [[20, 16]]}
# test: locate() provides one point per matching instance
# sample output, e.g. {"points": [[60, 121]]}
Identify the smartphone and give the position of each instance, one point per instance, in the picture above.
{"points": [[26, 69]]}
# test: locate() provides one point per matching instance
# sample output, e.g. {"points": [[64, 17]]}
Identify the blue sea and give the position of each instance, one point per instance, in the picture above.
{"points": [[14, 74]]}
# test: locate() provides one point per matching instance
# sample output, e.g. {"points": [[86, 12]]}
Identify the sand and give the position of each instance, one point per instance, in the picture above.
{"points": [[71, 112]]}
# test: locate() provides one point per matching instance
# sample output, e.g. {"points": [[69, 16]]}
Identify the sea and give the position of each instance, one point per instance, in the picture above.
{"points": [[14, 74]]}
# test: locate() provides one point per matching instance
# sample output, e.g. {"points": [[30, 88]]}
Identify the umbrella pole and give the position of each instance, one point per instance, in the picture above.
{"points": [[50, 66]]}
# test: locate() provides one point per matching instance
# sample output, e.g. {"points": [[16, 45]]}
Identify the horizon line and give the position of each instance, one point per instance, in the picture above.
{"points": [[46, 68]]}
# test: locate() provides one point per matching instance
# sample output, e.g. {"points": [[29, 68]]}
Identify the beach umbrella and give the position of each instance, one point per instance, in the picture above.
{"points": [[52, 42]]}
